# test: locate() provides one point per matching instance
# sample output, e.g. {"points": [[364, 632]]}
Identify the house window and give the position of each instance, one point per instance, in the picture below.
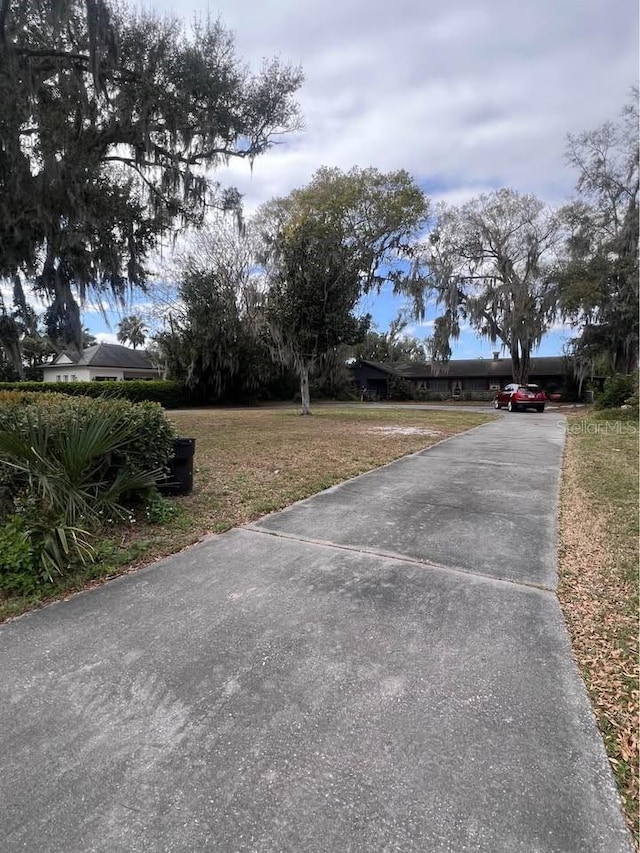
{"points": [[105, 378], [74, 378], [66, 377], [58, 377], [438, 384], [494, 386]]}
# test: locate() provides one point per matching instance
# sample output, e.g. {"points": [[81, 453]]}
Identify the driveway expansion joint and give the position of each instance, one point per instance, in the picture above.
{"points": [[400, 558], [412, 501]]}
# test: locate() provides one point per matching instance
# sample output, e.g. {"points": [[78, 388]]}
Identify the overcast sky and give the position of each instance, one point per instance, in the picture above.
{"points": [[467, 95]]}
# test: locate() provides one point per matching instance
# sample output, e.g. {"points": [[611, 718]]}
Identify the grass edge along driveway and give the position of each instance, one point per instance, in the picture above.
{"points": [[598, 584]]}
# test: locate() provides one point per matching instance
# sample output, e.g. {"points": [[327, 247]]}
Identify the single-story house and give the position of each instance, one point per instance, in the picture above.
{"points": [[102, 361], [476, 375]]}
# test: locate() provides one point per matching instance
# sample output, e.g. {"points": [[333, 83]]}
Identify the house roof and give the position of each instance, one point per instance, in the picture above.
{"points": [[468, 368], [108, 355]]}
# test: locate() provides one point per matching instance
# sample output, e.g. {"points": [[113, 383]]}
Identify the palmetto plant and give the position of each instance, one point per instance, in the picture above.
{"points": [[72, 480]]}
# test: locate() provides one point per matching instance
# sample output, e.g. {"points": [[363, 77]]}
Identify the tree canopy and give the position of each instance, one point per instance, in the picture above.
{"points": [[487, 264], [599, 274], [110, 127], [391, 346], [324, 245], [132, 329], [313, 288], [378, 216], [214, 338]]}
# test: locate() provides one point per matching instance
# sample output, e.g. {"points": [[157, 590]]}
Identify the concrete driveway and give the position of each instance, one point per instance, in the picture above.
{"points": [[383, 667]]}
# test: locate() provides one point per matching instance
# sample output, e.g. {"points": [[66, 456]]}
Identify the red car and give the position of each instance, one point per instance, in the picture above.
{"points": [[516, 397]]}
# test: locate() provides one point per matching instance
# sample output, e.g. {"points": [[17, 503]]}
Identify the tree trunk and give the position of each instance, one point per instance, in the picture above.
{"points": [[520, 365], [10, 343], [304, 389]]}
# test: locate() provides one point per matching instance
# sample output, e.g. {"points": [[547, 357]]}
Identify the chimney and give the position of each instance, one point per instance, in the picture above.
{"points": [[496, 355]]}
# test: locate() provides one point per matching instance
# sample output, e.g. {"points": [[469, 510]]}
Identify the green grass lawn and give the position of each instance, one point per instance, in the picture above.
{"points": [[250, 462], [598, 583]]}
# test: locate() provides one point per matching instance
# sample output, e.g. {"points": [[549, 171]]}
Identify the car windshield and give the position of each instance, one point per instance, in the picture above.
{"points": [[531, 387]]}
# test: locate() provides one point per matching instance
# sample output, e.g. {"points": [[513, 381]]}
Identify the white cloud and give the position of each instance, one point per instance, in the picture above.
{"points": [[107, 338], [419, 327], [466, 97]]}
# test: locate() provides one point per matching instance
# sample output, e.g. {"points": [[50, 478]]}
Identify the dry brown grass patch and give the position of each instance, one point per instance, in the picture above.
{"points": [[598, 589]]}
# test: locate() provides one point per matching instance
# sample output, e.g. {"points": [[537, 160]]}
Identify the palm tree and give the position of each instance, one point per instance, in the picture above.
{"points": [[132, 329]]}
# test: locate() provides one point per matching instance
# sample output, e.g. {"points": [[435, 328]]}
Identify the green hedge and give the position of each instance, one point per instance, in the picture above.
{"points": [[150, 447], [168, 393]]}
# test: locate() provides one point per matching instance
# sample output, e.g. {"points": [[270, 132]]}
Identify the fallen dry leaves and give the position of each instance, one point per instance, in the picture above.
{"points": [[598, 591]]}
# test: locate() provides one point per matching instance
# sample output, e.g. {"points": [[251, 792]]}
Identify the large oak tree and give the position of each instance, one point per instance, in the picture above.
{"points": [[487, 264], [599, 275], [110, 127], [324, 245]]}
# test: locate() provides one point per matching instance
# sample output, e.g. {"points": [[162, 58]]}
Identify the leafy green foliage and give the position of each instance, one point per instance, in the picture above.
{"points": [[618, 390], [169, 393], [69, 466], [110, 127], [160, 510], [18, 573], [323, 246], [216, 345], [400, 389], [132, 329], [392, 346], [378, 215], [314, 287], [73, 475], [214, 334]]}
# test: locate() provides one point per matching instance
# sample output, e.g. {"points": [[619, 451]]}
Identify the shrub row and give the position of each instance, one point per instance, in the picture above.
{"points": [[403, 390], [68, 466], [168, 393]]}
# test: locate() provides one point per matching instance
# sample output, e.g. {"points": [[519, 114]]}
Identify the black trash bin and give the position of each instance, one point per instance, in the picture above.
{"points": [[180, 479]]}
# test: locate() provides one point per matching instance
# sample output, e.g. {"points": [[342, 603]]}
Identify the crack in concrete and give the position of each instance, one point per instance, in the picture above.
{"points": [[390, 555]]}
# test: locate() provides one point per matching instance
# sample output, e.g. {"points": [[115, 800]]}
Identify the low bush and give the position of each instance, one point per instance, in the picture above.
{"points": [[479, 396], [161, 510], [617, 390], [150, 437], [71, 465], [432, 396], [18, 571], [632, 406], [400, 389], [168, 393]]}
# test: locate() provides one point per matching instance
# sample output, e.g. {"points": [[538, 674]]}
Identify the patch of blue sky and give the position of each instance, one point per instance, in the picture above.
{"points": [[385, 307]]}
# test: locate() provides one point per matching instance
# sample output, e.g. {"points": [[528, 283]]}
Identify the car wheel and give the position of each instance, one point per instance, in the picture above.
{"points": [[496, 405], [510, 407], [540, 408]]}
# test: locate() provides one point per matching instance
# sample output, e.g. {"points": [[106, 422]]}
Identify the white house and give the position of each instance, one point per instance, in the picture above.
{"points": [[102, 361]]}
